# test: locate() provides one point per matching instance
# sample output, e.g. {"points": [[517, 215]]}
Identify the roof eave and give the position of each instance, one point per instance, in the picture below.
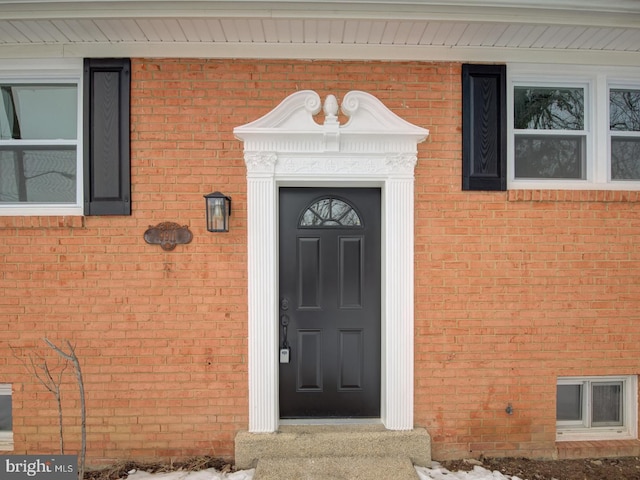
{"points": [[613, 13]]}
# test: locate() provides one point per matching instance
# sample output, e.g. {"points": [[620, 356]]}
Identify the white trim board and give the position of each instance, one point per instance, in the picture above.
{"points": [[391, 53]]}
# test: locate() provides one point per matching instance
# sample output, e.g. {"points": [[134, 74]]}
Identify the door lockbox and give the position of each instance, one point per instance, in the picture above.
{"points": [[284, 355]]}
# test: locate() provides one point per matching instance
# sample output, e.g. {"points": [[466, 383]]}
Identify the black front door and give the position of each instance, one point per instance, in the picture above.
{"points": [[330, 302]]}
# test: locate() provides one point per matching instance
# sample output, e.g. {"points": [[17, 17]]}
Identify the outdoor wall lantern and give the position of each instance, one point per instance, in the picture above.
{"points": [[218, 212]]}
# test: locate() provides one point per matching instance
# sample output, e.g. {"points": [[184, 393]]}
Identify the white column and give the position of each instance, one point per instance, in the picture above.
{"points": [[262, 293], [398, 322]]}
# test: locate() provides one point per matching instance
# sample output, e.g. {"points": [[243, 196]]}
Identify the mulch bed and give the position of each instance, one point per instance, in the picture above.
{"points": [[624, 468]]}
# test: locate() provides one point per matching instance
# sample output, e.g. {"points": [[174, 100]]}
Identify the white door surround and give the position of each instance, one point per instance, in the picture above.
{"points": [[374, 148]]}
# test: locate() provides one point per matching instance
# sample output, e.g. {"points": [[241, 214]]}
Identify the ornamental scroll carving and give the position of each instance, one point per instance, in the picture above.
{"points": [[402, 162], [260, 161], [337, 166]]}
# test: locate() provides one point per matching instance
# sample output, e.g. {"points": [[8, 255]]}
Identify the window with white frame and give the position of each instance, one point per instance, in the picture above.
{"points": [[574, 129], [40, 147], [624, 131], [550, 135], [6, 423], [596, 408]]}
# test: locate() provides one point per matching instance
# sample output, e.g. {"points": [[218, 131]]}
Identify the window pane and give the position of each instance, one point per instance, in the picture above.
{"points": [[351, 219], [543, 108], [606, 399], [5, 413], [624, 110], [339, 209], [625, 158], [569, 403], [39, 175], [310, 218], [330, 212], [538, 156], [38, 112]]}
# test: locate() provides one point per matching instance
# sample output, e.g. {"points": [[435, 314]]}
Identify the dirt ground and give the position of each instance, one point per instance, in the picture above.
{"points": [[625, 468]]}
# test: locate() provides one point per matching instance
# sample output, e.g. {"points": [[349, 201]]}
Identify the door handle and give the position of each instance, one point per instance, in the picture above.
{"points": [[284, 321]]}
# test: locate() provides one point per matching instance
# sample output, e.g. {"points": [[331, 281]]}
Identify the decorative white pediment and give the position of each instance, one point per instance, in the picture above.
{"points": [[371, 127]]}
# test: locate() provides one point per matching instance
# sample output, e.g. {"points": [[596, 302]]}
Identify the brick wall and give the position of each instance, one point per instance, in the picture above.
{"points": [[512, 288]]}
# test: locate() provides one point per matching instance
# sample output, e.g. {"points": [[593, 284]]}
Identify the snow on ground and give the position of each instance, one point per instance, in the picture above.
{"points": [[436, 472], [209, 474]]}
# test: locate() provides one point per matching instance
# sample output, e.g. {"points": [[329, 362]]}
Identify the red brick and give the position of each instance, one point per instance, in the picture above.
{"points": [[512, 288]]}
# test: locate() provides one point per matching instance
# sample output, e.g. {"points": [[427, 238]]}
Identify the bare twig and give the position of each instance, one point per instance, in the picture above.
{"points": [[73, 358], [53, 385]]}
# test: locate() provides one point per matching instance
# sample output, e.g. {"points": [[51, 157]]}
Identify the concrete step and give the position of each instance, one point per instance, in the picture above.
{"points": [[311, 442], [336, 468]]}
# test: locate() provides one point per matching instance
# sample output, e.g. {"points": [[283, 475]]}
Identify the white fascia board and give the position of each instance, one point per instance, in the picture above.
{"points": [[323, 52], [17, 66]]}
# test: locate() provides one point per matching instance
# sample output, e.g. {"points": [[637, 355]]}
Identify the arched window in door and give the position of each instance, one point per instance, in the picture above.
{"points": [[330, 212]]}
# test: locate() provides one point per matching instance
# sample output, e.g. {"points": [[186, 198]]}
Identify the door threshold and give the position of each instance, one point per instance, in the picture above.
{"points": [[331, 421]]}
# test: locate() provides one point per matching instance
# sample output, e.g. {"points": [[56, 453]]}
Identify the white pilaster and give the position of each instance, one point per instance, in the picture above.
{"points": [[262, 293], [397, 338]]}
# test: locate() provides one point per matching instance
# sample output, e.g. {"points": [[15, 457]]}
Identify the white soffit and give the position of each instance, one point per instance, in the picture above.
{"points": [[587, 31]]}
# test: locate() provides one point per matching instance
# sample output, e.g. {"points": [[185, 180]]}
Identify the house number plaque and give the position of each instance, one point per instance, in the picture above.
{"points": [[168, 235]]}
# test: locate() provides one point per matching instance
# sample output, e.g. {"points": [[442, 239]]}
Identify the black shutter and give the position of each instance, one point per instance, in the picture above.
{"points": [[107, 170], [484, 127]]}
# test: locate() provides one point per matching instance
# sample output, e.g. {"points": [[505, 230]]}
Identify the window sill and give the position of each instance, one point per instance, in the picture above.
{"points": [[620, 196], [593, 436], [42, 222], [598, 449], [6, 445]]}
